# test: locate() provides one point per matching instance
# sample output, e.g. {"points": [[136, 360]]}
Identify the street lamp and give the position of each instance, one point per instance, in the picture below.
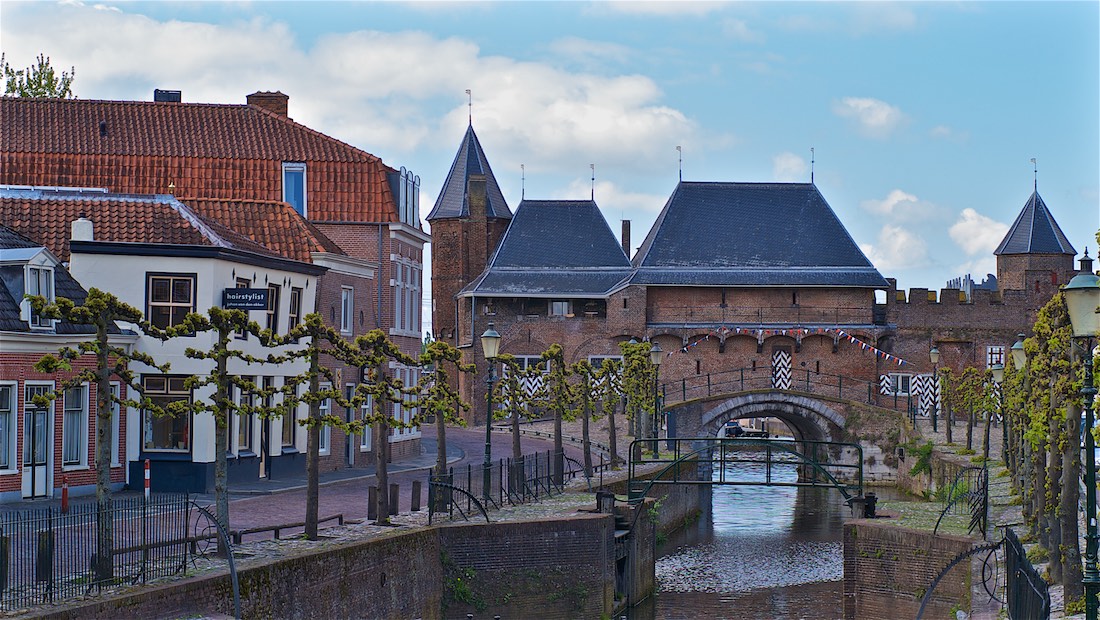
{"points": [[490, 346], [656, 356], [1083, 303], [934, 357], [998, 371]]}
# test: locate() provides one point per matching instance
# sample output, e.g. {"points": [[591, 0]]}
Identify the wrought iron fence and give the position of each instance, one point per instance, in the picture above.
{"points": [[968, 493], [1026, 591], [48, 556], [533, 477]]}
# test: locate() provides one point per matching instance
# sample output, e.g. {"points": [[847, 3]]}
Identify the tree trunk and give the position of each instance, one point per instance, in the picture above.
{"points": [[105, 536], [516, 484], [382, 452], [221, 439], [585, 438], [985, 442], [612, 437], [313, 445], [1054, 492], [441, 444], [1039, 491], [1071, 495], [970, 428], [559, 450]]}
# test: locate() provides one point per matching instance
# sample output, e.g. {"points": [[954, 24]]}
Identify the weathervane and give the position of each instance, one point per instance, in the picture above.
{"points": [[680, 152], [593, 166], [1035, 168], [522, 182], [470, 106], [811, 165]]}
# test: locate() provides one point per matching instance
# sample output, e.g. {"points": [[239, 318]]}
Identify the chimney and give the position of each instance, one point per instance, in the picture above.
{"points": [[275, 102], [82, 229], [475, 196], [626, 238]]}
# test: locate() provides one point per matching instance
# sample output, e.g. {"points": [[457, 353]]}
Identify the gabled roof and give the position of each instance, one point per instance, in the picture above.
{"points": [[12, 289], [46, 217], [1035, 232], [275, 226], [211, 150], [453, 201], [555, 248], [751, 234]]}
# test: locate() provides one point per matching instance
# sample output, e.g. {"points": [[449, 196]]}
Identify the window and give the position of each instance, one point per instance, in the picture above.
{"points": [[347, 296], [7, 425], [166, 433], [290, 418], [116, 422], [273, 307], [39, 282], [324, 409], [294, 186], [244, 421], [899, 384], [295, 315], [243, 283], [365, 411], [407, 282], [561, 308], [169, 298], [994, 355], [36, 427], [74, 427]]}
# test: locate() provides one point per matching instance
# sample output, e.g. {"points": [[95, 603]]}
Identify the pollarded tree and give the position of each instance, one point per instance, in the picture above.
{"points": [[587, 376], [38, 80], [637, 384], [101, 310], [512, 398], [439, 398], [607, 381], [559, 397], [385, 391]]}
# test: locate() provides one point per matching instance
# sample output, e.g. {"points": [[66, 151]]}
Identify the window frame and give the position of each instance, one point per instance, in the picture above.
{"points": [[347, 309], [994, 354], [9, 426], [287, 423], [272, 311], [294, 314], [74, 415], [293, 167], [150, 276], [46, 387], [242, 283], [366, 440], [324, 408], [116, 424], [552, 307], [244, 422], [34, 320], [167, 395], [896, 378]]}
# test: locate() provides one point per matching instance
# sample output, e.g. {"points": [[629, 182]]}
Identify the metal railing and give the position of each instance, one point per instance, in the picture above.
{"points": [[48, 556], [534, 477], [1025, 590], [803, 380], [968, 493]]}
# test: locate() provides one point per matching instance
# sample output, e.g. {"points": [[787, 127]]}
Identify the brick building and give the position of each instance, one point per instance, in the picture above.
{"points": [[733, 277], [222, 157]]}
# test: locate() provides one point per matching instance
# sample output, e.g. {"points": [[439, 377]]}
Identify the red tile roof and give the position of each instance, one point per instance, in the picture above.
{"points": [[274, 225], [229, 152]]}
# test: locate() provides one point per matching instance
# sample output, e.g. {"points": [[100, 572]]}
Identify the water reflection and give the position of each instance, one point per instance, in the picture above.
{"points": [[760, 552]]}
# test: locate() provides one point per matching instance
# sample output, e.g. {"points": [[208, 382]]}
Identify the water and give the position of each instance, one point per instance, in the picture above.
{"points": [[760, 552]]}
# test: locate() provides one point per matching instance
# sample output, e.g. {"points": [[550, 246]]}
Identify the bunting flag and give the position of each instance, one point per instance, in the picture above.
{"points": [[796, 332]]}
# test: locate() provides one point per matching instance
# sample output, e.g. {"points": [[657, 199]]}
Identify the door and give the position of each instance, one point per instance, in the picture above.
{"points": [[37, 432], [781, 368]]}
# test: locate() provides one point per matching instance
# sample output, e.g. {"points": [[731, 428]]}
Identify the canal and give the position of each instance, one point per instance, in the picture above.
{"points": [[758, 552]]}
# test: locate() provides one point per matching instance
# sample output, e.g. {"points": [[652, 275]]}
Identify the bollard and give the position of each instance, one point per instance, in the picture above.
{"points": [[64, 494], [372, 503], [146, 479], [415, 506], [395, 495]]}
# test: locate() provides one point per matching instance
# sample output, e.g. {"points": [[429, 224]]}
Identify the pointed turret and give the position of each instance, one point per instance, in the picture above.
{"points": [[1035, 254], [459, 196]]}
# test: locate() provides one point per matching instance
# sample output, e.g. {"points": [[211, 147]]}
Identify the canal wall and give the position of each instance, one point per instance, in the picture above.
{"points": [[888, 570], [677, 505], [942, 470], [547, 568]]}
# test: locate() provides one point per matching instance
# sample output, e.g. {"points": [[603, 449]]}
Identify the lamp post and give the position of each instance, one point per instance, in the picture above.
{"points": [[998, 372], [655, 357], [1019, 360], [1083, 302], [490, 346], [934, 357]]}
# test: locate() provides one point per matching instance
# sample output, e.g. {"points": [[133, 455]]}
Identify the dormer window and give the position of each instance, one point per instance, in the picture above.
{"points": [[294, 186], [39, 281]]}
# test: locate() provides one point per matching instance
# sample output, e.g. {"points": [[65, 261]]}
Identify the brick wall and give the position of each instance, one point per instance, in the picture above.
{"points": [[888, 569]]}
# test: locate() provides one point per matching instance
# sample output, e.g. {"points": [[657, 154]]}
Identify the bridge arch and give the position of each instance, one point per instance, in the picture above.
{"points": [[809, 418]]}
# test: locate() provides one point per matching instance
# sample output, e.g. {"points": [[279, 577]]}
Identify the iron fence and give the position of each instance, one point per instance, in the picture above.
{"points": [[48, 556], [1025, 590], [533, 477]]}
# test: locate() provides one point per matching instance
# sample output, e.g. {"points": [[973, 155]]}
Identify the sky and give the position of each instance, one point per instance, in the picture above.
{"points": [[922, 118]]}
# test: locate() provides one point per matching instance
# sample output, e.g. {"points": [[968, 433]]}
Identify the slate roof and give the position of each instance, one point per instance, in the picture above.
{"points": [[1035, 232], [554, 248], [46, 218], [751, 234], [11, 289], [452, 201], [209, 150]]}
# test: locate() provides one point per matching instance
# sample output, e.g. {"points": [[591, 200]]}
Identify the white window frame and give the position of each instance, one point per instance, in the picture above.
{"points": [[365, 411], [347, 309], [74, 413], [896, 380], [271, 314], [116, 424], [9, 424], [147, 417], [324, 408], [554, 306], [34, 320], [293, 167], [171, 277], [994, 354], [294, 314], [243, 398]]}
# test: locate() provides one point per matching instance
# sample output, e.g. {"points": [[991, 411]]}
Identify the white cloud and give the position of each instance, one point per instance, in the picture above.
{"points": [[662, 7], [976, 233], [896, 200], [945, 132], [860, 19], [789, 168], [896, 248], [738, 30], [613, 200], [382, 91], [978, 268], [589, 52], [875, 118]]}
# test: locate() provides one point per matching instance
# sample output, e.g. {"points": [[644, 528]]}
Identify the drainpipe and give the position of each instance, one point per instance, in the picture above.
{"points": [[378, 317]]}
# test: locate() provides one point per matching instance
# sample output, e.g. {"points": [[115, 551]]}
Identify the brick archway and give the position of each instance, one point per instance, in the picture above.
{"points": [[808, 418]]}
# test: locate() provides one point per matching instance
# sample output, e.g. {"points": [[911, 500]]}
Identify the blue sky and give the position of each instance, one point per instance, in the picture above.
{"points": [[923, 116]]}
